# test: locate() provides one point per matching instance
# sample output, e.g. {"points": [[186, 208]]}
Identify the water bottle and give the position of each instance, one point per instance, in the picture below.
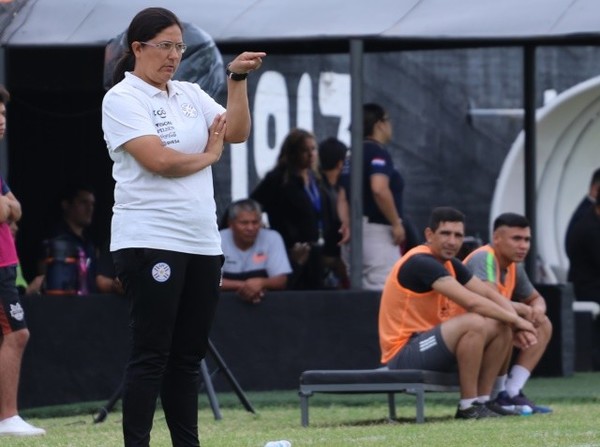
{"points": [[282, 443]]}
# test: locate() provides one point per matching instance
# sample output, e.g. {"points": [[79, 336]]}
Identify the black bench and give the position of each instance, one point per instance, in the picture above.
{"points": [[381, 380]]}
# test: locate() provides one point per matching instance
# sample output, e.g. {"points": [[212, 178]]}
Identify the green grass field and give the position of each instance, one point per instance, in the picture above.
{"points": [[348, 420]]}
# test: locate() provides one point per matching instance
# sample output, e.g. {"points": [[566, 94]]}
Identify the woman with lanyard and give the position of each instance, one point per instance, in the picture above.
{"points": [[291, 196], [163, 136]]}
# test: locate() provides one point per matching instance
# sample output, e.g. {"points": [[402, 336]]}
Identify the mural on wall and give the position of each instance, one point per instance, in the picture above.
{"points": [[272, 120], [433, 144]]}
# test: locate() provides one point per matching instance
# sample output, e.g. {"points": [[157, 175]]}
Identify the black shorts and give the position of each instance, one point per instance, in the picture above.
{"points": [[12, 316], [425, 350]]}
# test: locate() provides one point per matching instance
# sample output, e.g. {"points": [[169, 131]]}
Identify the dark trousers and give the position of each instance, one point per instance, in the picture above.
{"points": [[173, 301]]}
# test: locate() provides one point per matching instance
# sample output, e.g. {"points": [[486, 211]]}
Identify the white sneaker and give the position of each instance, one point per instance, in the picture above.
{"points": [[15, 426]]}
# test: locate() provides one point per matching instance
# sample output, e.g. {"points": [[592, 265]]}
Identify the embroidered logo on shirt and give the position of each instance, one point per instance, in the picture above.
{"points": [[189, 110], [161, 272], [378, 162], [16, 311]]}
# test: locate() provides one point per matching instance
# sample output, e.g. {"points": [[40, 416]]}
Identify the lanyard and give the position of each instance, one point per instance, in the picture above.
{"points": [[313, 192], [315, 197]]}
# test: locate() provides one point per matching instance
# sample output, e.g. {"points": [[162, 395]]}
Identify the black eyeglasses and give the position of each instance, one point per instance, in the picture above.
{"points": [[167, 46]]}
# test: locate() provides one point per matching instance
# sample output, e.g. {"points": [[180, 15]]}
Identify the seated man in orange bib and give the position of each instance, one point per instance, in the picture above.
{"points": [[436, 315], [499, 265]]}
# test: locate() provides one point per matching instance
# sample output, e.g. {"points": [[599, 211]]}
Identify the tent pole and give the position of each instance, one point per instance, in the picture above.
{"points": [[530, 130], [356, 173]]}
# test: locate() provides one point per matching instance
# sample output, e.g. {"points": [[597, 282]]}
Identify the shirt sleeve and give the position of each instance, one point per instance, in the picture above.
{"points": [[420, 272], [379, 162], [483, 266], [463, 274], [124, 117], [523, 286]]}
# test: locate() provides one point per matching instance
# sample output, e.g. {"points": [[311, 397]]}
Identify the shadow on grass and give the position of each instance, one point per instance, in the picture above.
{"points": [[582, 388], [381, 421]]}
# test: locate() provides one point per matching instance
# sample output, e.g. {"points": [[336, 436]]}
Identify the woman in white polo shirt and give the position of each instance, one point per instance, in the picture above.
{"points": [[163, 136]]}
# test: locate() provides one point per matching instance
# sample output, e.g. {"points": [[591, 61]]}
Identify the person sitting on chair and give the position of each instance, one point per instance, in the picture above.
{"points": [[255, 257]]}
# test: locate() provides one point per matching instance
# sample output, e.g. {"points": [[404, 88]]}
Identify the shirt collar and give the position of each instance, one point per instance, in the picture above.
{"points": [[148, 89]]}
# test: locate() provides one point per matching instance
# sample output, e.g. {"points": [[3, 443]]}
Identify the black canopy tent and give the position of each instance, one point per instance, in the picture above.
{"points": [[336, 26]]}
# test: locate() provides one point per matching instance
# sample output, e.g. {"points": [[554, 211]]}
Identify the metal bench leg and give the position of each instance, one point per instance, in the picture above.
{"points": [[420, 395], [304, 409], [392, 405]]}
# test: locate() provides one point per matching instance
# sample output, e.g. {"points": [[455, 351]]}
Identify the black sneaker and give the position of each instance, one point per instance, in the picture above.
{"points": [[475, 411], [502, 411]]}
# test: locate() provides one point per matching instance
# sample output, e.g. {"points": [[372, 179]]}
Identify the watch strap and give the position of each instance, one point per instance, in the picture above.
{"points": [[235, 76]]}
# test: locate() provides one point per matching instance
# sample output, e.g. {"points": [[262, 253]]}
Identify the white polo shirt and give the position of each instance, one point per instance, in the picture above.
{"points": [[151, 211], [266, 256]]}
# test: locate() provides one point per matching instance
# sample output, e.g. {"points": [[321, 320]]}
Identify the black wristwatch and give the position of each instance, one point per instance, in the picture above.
{"points": [[235, 76]]}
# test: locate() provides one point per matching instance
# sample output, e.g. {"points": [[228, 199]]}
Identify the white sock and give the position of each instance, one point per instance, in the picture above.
{"points": [[466, 403], [499, 385], [516, 380], [483, 399]]}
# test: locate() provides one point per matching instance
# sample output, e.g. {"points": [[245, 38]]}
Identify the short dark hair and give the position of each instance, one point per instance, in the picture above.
{"points": [[372, 113], [511, 220], [4, 95], [331, 152], [595, 177], [144, 26], [72, 190], [444, 214], [248, 205]]}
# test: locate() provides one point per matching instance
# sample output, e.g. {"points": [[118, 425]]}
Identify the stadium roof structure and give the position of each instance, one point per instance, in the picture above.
{"points": [[316, 25], [332, 26]]}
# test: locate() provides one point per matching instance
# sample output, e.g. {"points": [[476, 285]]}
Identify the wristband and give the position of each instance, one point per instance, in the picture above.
{"points": [[235, 76]]}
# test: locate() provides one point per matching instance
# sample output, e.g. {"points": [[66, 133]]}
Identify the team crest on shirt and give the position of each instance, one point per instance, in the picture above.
{"points": [[161, 272], [189, 110], [16, 311], [378, 162]]}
